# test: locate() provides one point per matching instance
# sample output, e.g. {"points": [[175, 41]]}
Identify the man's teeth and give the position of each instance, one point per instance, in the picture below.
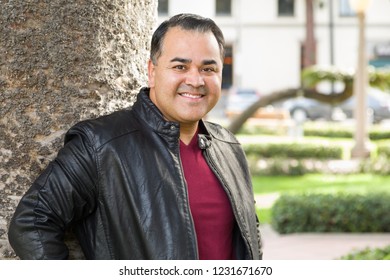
{"points": [[191, 95]]}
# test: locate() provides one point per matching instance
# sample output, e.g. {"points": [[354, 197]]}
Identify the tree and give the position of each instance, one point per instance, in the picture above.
{"points": [[311, 77], [62, 61], [309, 46]]}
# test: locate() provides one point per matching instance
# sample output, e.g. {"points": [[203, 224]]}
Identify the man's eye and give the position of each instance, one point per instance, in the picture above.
{"points": [[179, 67], [209, 69]]}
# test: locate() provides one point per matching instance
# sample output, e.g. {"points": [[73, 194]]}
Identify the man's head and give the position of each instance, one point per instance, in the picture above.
{"points": [[185, 68], [190, 22]]}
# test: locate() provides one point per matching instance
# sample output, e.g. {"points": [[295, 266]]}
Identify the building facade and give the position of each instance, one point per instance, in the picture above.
{"points": [[265, 37]]}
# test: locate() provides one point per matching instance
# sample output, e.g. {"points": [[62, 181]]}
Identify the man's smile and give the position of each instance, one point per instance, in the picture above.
{"points": [[191, 95]]}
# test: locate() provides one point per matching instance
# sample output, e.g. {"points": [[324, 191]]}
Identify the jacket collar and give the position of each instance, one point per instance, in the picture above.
{"points": [[148, 113], [152, 117]]}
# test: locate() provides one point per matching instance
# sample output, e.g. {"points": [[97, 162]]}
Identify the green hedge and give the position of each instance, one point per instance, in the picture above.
{"points": [[340, 132], [294, 150], [383, 149], [277, 166], [369, 254], [332, 213], [379, 134], [328, 132], [379, 165]]}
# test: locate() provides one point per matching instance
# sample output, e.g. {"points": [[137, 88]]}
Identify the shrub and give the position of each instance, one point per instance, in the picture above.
{"points": [[369, 254], [261, 130], [297, 167], [379, 134], [277, 166], [328, 132], [332, 213], [335, 131], [294, 150], [379, 165], [383, 149]]}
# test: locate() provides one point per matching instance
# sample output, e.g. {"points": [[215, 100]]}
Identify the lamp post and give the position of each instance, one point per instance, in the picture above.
{"points": [[361, 150]]}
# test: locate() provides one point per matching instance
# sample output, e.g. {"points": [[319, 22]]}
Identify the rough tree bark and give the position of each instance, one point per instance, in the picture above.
{"points": [[62, 61]]}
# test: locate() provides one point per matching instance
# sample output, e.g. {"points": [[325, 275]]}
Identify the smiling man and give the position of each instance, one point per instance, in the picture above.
{"points": [[154, 181]]}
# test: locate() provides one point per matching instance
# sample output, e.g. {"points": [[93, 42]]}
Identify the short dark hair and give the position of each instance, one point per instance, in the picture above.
{"points": [[186, 22]]}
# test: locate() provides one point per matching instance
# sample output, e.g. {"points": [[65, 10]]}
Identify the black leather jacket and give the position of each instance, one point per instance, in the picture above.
{"points": [[118, 181]]}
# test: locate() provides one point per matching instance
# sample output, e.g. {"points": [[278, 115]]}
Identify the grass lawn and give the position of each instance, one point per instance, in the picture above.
{"points": [[322, 183]]}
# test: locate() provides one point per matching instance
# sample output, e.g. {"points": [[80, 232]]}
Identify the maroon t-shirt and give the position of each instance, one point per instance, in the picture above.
{"points": [[210, 206]]}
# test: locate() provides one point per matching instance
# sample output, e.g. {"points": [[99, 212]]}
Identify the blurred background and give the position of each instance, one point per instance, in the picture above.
{"points": [[305, 89], [269, 43], [320, 166]]}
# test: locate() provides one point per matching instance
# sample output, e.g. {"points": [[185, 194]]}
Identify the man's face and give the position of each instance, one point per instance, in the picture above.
{"points": [[186, 82]]}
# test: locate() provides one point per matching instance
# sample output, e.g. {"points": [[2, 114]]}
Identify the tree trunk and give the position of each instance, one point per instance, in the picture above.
{"points": [[62, 61], [309, 55]]}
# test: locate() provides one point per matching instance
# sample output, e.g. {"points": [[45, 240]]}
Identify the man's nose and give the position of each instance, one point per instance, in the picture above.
{"points": [[194, 78]]}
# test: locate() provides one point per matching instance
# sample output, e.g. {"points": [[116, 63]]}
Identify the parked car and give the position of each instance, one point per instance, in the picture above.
{"points": [[300, 108], [239, 99]]}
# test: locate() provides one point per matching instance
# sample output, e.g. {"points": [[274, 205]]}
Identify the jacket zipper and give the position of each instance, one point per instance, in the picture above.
{"points": [[214, 168], [188, 203]]}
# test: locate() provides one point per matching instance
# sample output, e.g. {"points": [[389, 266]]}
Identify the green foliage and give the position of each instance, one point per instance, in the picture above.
{"points": [[384, 150], [294, 150], [328, 132], [313, 129], [278, 166], [311, 76], [335, 131], [379, 134], [261, 130], [380, 79], [332, 213], [379, 165], [369, 254]]}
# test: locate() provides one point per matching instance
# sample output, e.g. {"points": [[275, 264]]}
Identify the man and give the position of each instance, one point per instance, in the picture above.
{"points": [[154, 181]]}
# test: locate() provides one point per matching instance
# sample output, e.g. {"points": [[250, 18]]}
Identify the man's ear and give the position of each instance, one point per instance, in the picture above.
{"points": [[151, 67]]}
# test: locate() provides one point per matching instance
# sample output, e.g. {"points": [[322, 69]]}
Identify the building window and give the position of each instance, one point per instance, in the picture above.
{"points": [[345, 9], [227, 71], [223, 7], [163, 7], [286, 8]]}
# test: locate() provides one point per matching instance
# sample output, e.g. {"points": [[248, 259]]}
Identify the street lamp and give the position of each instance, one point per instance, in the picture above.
{"points": [[361, 150]]}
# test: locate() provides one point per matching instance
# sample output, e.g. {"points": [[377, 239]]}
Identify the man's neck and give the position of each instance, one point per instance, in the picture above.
{"points": [[187, 132]]}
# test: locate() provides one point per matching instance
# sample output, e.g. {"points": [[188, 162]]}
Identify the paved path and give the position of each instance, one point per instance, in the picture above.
{"points": [[317, 246]]}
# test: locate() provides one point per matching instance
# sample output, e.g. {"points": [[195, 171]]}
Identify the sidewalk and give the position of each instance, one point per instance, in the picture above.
{"points": [[317, 246]]}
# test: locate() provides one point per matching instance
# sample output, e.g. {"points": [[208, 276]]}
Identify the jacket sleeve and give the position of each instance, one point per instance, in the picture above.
{"points": [[62, 194]]}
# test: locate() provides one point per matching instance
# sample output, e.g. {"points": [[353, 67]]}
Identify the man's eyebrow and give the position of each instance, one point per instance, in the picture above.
{"points": [[187, 61], [209, 62], [182, 60]]}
